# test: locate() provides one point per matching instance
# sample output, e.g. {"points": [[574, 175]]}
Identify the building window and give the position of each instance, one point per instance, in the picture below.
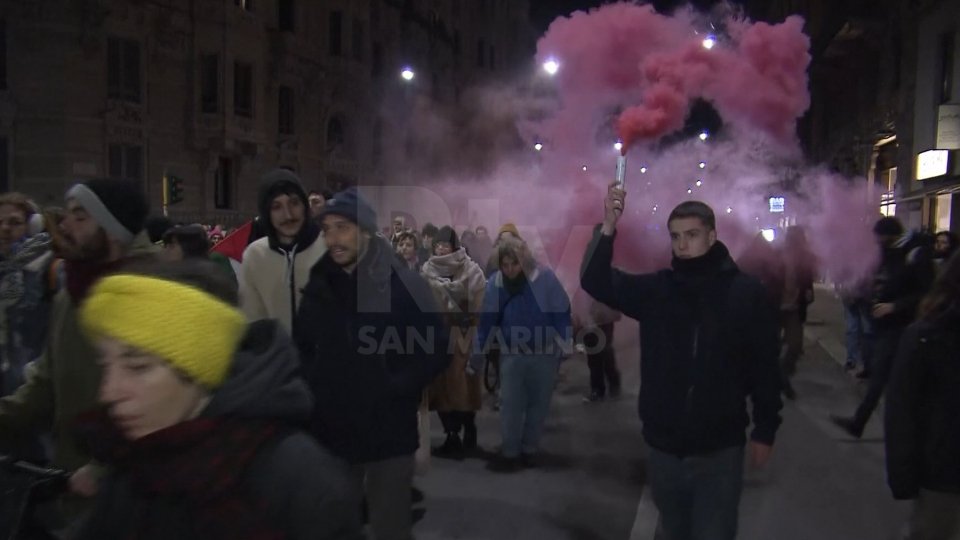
{"points": [[376, 68], [126, 161], [948, 44], [358, 39], [493, 58], [336, 33], [246, 5], [335, 134], [243, 89], [223, 185], [3, 57], [285, 109], [123, 69], [481, 53], [209, 83], [285, 15]]}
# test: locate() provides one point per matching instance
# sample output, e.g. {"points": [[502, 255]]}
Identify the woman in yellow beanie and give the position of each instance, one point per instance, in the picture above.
{"points": [[198, 430]]}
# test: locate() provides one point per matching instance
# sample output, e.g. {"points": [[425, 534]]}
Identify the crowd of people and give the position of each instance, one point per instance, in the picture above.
{"points": [[286, 399]]}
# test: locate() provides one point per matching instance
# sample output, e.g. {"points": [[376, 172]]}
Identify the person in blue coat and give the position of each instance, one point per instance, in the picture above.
{"points": [[526, 313]]}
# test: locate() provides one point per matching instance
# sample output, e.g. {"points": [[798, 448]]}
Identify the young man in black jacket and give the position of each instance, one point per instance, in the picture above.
{"points": [[370, 340], [708, 338]]}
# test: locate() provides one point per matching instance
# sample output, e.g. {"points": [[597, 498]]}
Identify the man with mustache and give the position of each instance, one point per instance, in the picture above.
{"points": [[275, 268], [102, 231]]}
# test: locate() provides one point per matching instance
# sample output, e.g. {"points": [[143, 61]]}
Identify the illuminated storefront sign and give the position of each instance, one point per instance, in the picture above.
{"points": [[777, 204], [932, 163]]}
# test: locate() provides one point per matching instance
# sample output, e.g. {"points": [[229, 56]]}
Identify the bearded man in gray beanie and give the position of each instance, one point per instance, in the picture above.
{"points": [[102, 231]]}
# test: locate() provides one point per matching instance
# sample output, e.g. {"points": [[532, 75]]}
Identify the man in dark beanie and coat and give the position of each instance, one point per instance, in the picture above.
{"points": [[102, 231], [275, 267], [370, 341]]}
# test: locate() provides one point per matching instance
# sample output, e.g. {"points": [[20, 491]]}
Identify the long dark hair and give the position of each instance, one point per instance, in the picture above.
{"points": [[945, 293]]}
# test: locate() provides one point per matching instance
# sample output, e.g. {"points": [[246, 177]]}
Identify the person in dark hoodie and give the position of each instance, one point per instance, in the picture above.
{"points": [[200, 424], [922, 432], [903, 278], [275, 267], [708, 341], [371, 340]]}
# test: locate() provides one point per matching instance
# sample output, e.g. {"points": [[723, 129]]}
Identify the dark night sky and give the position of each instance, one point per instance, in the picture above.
{"points": [[544, 11]]}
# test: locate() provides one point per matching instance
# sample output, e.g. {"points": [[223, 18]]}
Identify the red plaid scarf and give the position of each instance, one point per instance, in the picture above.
{"points": [[201, 462]]}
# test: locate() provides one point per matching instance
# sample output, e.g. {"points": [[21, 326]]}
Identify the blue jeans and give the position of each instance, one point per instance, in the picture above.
{"points": [[526, 385], [698, 496], [859, 332]]}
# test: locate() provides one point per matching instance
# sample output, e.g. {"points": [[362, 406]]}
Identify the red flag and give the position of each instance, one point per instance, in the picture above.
{"points": [[234, 245]]}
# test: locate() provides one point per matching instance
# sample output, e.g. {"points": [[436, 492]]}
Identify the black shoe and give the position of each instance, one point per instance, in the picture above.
{"points": [[503, 464], [470, 437], [452, 448], [789, 392], [417, 514], [614, 392], [849, 425], [529, 461], [416, 496], [594, 397]]}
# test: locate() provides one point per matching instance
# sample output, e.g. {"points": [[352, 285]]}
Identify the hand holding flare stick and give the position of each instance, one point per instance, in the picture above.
{"points": [[613, 204]]}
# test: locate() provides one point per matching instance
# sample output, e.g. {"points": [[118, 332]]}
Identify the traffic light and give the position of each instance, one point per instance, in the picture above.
{"points": [[174, 190]]}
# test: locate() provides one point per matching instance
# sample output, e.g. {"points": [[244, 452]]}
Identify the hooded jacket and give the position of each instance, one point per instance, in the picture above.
{"points": [[922, 432], [370, 342], [905, 274], [62, 384], [708, 340], [272, 275], [303, 491]]}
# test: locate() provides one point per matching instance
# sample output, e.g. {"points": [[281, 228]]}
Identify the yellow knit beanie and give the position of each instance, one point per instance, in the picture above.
{"points": [[194, 331], [510, 228]]}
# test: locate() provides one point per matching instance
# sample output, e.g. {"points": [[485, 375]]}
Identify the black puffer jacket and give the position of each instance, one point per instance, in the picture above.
{"points": [[303, 491], [923, 404], [904, 276], [370, 342], [708, 339]]}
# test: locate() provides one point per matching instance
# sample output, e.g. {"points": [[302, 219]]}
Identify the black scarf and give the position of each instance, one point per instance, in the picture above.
{"points": [[515, 286]]}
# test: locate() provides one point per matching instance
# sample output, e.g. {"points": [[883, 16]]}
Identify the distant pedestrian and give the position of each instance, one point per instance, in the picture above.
{"points": [[527, 313], [922, 408], [601, 358], [407, 251], [905, 275], [798, 274], [944, 247]]}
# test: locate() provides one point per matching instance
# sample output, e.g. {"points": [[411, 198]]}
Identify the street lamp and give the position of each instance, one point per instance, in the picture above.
{"points": [[689, 191], [704, 135], [729, 210], [699, 183], [618, 146], [551, 66], [703, 164], [538, 147], [584, 168], [407, 74], [709, 42]]}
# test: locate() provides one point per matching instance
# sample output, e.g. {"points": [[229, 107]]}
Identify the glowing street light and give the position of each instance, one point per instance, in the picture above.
{"points": [[643, 170], [584, 168], [704, 135], [703, 164], [729, 210], [699, 183], [769, 234], [551, 66], [709, 42], [689, 191], [618, 146], [538, 147], [407, 74]]}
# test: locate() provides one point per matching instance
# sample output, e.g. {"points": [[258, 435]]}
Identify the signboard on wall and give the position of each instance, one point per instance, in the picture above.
{"points": [[932, 163], [948, 127], [777, 205]]}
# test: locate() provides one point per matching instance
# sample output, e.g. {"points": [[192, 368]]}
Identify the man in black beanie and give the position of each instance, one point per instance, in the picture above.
{"points": [[905, 274], [102, 231], [370, 341]]}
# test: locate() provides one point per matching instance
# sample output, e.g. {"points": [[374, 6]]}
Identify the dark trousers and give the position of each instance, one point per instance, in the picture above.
{"points": [[884, 352], [455, 421], [698, 496], [601, 360], [792, 325]]}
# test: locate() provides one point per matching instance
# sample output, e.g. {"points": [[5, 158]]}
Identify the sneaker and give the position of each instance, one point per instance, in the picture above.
{"points": [[594, 397], [849, 425], [416, 496], [789, 392], [452, 448]]}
